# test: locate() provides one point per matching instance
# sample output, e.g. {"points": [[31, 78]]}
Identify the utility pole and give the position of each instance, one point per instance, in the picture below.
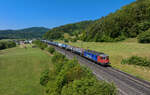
{"points": [[65, 52], [81, 44]]}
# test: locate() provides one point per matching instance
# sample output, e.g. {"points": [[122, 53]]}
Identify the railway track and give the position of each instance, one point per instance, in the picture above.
{"points": [[126, 84]]}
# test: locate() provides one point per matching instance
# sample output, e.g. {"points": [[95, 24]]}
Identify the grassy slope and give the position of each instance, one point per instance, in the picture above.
{"points": [[20, 71], [120, 50]]}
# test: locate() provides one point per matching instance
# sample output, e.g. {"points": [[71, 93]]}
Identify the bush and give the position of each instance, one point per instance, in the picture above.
{"points": [[144, 37], [120, 38], [105, 38], [2, 45], [40, 44], [73, 40], [58, 57], [7, 44], [44, 78], [36, 42], [51, 50], [66, 40], [11, 44], [43, 46], [135, 60]]}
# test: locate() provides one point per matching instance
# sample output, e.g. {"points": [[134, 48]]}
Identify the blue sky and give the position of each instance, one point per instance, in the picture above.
{"points": [[17, 14]]}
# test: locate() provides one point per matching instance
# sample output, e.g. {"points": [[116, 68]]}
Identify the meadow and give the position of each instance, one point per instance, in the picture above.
{"points": [[119, 50], [20, 70]]}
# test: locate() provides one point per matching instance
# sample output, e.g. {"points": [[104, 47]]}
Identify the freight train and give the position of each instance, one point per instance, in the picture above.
{"points": [[97, 57]]}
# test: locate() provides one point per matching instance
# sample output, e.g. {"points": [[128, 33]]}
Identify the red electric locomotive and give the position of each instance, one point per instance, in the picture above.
{"points": [[103, 59]]}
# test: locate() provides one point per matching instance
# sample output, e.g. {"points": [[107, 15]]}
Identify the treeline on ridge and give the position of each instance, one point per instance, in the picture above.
{"points": [[27, 33], [128, 22], [74, 29]]}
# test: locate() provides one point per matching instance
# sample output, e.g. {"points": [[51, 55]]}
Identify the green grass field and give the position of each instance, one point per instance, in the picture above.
{"points": [[20, 71], [119, 50]]}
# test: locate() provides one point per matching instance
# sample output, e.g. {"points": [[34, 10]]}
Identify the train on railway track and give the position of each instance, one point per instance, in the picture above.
{"points": [[98, 57]]}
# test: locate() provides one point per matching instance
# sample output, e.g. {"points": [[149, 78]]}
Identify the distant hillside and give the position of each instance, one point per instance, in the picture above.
{"points": [[27, 33], [72, 29], [128, 22]]}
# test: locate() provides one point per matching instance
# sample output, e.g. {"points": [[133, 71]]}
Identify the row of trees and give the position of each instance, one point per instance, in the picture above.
{"points": [[7, 44], [136, 60], [67, 77]]}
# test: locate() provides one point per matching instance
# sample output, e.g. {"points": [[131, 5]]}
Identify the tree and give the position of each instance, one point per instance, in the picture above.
{"points": [[51, 50], [44, 77], [7, 44], [144, 37], [40, 44], [66, 40]]}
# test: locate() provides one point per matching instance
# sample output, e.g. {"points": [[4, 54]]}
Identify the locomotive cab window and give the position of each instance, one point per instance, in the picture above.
{"points": [[104, 58]]}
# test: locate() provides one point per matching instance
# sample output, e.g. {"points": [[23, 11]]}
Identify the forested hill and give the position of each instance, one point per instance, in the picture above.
{"points": [[27, 33], [129, 21], [71, 29]]}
